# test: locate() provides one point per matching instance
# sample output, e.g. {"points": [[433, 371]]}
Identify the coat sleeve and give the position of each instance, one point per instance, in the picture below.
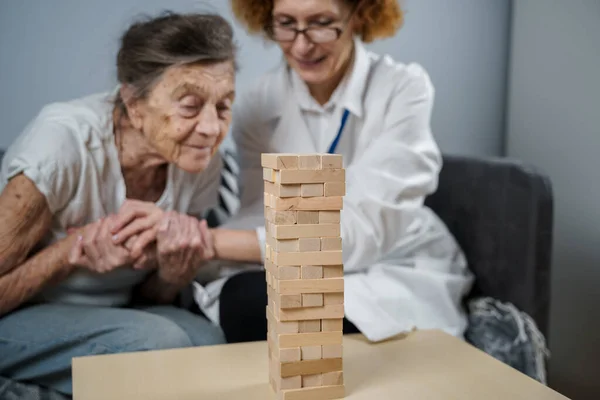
{"points": [[388, 182]]}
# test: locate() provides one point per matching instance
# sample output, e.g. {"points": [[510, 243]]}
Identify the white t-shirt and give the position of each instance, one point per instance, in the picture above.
{"points": [[69, 152]]}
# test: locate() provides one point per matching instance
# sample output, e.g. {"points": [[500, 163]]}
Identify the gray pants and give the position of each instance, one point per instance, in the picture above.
{"points": [[38, 342]]}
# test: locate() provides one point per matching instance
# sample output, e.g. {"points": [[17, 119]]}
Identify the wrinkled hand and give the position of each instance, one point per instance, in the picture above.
{"points": [[148, 259], [183, 245], [95, 249], [137, 225]]}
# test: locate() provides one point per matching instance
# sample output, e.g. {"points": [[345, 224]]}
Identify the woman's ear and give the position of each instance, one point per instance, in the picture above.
{"points": [[132, 105]]}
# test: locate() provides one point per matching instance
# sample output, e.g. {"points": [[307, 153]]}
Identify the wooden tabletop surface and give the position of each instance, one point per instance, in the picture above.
{"points": [[422, 365]]}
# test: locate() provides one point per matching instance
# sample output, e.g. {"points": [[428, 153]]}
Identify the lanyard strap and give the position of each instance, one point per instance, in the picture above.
{"points": [[340, 131]]}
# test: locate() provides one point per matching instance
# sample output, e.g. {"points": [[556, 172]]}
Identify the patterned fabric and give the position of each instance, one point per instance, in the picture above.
{"points": [[509, 335], [11, 390], [229, 192]]}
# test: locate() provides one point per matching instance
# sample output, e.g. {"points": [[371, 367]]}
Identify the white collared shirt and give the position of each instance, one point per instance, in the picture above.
{"points": [[321, 119]]}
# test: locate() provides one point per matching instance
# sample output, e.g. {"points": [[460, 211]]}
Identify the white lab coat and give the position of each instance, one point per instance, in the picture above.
{"points": [[403, 269]]}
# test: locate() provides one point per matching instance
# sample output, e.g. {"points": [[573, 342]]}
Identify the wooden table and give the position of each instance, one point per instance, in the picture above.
{"points": [[422, 365]]}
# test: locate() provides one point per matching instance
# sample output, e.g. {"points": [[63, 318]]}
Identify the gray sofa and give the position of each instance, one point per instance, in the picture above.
{"points": [[501, 212]]}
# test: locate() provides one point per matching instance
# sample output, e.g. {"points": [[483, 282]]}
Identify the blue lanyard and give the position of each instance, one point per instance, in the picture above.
{"points": [[340, 131]]}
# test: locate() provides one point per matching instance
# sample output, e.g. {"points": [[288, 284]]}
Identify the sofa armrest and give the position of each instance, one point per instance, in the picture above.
{"points": [[501, 213]]}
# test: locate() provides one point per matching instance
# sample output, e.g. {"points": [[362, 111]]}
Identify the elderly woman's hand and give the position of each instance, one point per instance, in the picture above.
{"points": [[137, 220], [95, 249], [148, 259], [183, 245]]}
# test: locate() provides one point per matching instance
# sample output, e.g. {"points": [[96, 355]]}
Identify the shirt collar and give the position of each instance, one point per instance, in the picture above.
{"points": [[349, 93]]}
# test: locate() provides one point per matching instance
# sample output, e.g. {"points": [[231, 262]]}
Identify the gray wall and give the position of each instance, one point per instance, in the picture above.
{"points": [[554, 123], [60, 49]]}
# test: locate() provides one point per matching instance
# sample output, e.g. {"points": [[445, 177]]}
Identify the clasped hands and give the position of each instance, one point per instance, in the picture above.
{"points": [[145, 237]]}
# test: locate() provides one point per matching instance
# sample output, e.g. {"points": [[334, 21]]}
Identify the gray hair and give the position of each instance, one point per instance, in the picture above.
{"points": [[151, 46]]}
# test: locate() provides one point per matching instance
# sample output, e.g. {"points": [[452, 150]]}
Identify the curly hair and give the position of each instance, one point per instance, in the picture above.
{"points": [[377, 18]]}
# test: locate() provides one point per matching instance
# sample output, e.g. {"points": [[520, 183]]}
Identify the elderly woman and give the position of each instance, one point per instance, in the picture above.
{"points": [[142, 162]]}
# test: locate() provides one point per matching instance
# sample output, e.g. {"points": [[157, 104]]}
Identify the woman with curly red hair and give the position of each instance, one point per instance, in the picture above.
{"points": [[403, 269]]}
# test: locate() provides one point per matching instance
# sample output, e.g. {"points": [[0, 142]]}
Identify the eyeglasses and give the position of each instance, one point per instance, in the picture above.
{"points": [[315, 34]]}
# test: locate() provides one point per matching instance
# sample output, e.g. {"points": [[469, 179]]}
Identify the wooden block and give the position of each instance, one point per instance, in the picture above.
{"points": [[331, 243], [268, 252], [283, 217], [291, 354], [309, 244], [315, 380], [314, 393], [311, 272], [279, 161], [312, 300], [310, 176], [333, 378], [309, 161], [332, 161], [289, 272], [332, 203], [285, 301], [309, 367], [283, 190], [332, 351], [329, 217], [306, 217], [269, 175], [311, 326], [282, 384], [334, 189], [282, 327], [293, 382], [304, 231], [292, 191], [311, 352], [287, 245], [308, 258], [331, 298], [311, 190], [335, 311], [294, 340], [332, 271], [285, 327], [281, 355], [284, 273], [332, 325], [283, 245], [291, 301], [300, 286]]}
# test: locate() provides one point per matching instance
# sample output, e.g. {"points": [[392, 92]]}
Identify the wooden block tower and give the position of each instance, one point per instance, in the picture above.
{"points": [[305, 279]]}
